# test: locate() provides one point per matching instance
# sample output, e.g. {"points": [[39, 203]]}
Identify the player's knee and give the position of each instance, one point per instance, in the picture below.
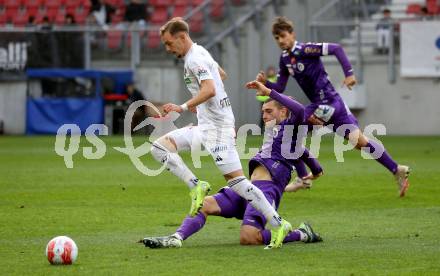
{"points": [[159, 152], [210, 206], [250, 238]]}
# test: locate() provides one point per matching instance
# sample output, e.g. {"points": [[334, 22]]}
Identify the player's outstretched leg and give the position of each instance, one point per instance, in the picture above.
{"points": [[174, 163], [197, 195], [162, 242], [401, 176], [278, 234], [298, 184], [311, 236], [400, 172], [303, 233]]}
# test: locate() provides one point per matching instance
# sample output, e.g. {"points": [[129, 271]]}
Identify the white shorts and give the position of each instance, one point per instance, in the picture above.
{"points": [[220, 144]]}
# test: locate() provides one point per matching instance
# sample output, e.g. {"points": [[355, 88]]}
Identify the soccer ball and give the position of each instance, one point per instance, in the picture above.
{"points": [[61, 250]]}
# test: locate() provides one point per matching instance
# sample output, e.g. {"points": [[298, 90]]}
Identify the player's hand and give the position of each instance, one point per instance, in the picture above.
{"points": [[262, 90], [261, 77], [310, 176], [193, 109], [349, 81], [167, 108]]}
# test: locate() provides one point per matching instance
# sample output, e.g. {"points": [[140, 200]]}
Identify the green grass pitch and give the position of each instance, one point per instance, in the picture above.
{"points": [[106, 205]]}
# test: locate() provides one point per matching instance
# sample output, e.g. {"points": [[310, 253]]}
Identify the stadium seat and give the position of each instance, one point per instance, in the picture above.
{"points": [[433, 7], [197, 2], [159, 16], [114, 40], [60, 18], [217, 9], [153, 39], [116, 3], [182, 2], [54, 4], [179, 11], [117, 18], [196, 23], [413, 9], [12, 4], [160, 3], [21, 18]]}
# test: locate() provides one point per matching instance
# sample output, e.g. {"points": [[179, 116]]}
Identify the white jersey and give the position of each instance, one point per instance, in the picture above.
{"points": [[215, 112]]}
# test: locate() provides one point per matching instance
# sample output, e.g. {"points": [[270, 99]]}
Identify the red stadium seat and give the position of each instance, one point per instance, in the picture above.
{"points": [[182, 2], [179, 11], [153, 39], [197, 2], [54, 4], [114, 39], [433, 7], [20, 19], [160, 3], [12, 4], [73, 3], [159, 16], [413, 9], [196, 23], [217, 9], [60, 18]]}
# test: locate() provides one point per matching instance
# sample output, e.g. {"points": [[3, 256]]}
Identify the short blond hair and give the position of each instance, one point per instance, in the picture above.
{"points": [[174, 25]]}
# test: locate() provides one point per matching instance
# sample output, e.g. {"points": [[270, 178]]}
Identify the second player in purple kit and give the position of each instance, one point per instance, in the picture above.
{"points": [[270, 171], [302, 62]]}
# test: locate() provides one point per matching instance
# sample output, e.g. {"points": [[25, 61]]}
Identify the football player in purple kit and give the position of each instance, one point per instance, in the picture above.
{"points": [[270, 170], [302, 61]]}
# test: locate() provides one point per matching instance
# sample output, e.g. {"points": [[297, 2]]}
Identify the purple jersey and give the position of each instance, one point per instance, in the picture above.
{"points": [[304, 64], [274, 151]]}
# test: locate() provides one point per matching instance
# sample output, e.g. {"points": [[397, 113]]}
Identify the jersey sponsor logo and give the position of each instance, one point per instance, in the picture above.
{"points": [[219, 148], [200, 71], [324, 112], [225, 102], [300, 66], [312, 50], [187, 81]]}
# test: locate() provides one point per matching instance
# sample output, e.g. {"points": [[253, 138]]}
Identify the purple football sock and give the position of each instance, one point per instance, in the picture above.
{"points": [[385, 159], [191, 225], [300, 167], [311, 162], [291, 237]]}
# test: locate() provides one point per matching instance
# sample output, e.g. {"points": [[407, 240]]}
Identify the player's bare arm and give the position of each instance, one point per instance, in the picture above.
{"points": [[207, 91], [222, 73]]}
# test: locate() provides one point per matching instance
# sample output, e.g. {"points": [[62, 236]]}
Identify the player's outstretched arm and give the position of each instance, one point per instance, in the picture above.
{"points": [[295, 107], [207, 91], [337, 50]]}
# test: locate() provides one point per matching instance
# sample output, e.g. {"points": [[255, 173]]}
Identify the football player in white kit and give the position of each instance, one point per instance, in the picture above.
{"points": [[215, 130]]}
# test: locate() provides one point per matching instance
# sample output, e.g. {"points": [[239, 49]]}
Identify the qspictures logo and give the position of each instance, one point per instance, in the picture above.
{"points": [[293, 142]]}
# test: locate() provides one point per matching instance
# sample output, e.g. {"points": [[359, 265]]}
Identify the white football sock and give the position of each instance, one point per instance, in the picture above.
{"points": [[174, 164], [256, 198]]}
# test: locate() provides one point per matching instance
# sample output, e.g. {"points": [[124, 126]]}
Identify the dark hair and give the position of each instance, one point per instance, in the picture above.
{"points": [[174, 26], [278, 104], [386, 11], [281, 24]]}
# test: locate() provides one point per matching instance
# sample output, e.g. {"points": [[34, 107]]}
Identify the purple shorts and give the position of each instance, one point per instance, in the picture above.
{"points": [[234, 206], [334, 112]]}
